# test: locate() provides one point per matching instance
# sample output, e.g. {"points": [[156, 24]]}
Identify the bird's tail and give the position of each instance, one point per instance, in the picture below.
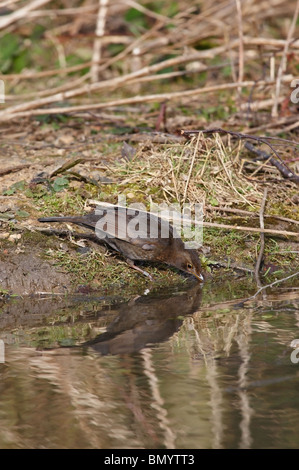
{"points": [[87, 221], [58, 219]]}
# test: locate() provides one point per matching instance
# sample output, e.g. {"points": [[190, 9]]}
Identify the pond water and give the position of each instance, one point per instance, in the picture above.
{"points": [[192, 367]]}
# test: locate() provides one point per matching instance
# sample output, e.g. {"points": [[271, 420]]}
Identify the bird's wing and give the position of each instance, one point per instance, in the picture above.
{"points": [[132, 225]]}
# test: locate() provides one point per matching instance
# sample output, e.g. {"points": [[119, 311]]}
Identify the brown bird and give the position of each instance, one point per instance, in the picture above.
{"points": [[138, 236]]}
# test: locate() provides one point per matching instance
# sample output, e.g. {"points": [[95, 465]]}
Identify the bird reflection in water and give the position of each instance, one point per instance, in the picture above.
{"points": [[146, 320]]}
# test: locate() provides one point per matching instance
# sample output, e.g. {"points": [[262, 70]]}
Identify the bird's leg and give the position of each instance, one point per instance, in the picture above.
{"points": [[132, 265]]}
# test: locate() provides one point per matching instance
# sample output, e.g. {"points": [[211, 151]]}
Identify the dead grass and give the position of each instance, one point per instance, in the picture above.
{"points": [[207, 171]]}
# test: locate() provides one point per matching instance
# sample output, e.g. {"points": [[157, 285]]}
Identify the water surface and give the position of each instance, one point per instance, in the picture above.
{"points": [[188, 368]]}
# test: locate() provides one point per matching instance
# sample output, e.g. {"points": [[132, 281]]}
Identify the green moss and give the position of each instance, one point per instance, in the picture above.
{"points": [[284, 209], [61, 203]]}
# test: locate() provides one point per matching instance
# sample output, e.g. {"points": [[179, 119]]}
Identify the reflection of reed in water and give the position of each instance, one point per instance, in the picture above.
{"points": [[208, 337]]}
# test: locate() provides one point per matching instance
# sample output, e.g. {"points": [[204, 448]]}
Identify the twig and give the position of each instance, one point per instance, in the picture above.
{"points": [[262, 235], [291, 127], [161, 118], [269, 285], [100, 31]]}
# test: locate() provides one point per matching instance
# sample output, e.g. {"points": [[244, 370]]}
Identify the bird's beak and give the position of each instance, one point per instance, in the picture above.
{"points": [[199, 277]]}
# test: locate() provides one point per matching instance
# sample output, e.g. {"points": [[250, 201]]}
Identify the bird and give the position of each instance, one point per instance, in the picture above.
{"points": [[138, 236]]}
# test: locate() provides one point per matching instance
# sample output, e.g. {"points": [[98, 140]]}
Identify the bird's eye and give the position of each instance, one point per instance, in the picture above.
{"points": [[189, 266]]}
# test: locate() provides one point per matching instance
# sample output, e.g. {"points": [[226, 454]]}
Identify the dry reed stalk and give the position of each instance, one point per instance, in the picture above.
{"points": [[59, 48], [45, 73], [261, 104], [112, 83], [283, 62], [30, 107], [175, 185], [97, 46], [291, 127], [191, 166], [7, 3], [249, 213], [284, 233], [145, 70], [74, 83], [199, 55], [61, 12], [277, 123], [21, 13], [32, 75], [220, 153], [241, 46], [262, 166], [70, 85]]}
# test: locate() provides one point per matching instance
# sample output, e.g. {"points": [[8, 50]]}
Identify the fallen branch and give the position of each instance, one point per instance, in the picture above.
{"points": [[230, 265], [13, 169], [281, 166]]}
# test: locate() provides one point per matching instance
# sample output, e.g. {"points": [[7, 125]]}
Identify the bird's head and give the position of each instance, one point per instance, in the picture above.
{"points": [[188, 261]]}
